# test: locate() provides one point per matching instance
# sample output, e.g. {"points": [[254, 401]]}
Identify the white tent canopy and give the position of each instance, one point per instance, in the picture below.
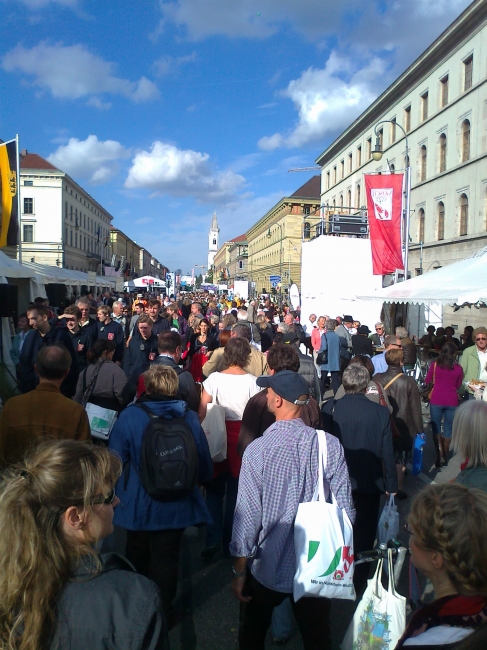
{"points": [[144, 282], [59, 275], [10, 268], [462, 282]]}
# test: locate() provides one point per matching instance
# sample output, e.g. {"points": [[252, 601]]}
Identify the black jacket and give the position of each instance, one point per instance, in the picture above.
{"points": [[112, 332], [307, 369], [187, 387], [28, 379], [362, 345], [117, 609], [82, 342], [160, 325], [139, 352], [364, 430]]}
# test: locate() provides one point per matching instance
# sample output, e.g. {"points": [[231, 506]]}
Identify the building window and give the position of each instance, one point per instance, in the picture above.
{"points": [[444, 91], [28, 183], [341, 202], [306, 209], [71, 213], [359, 156], [307, 231], [76, 240], [66, 210], [441, 220], [442, 153], [423, 161], [357, 197], [407, 119], [342, 168], [334, 175], [334, 204], [393, 129], [70, 237], [349, 163], [28, 206], [369, 148], [214, 242], [350, 200], [463, 215], [240, 265], [392, 168], [421, 224], [28, 233], [327, 180], [468, 70], [465, 140], [424, 106], [381, 139]]}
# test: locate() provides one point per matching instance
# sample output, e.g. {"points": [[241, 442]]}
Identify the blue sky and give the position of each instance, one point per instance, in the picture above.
{"points": [[168, 111]]}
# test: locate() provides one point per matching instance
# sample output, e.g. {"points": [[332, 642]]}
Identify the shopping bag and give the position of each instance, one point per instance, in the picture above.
{"points": [[388, 527], [380, 618], [216, 432], [101, 420], [323, 541], [417, 464]]}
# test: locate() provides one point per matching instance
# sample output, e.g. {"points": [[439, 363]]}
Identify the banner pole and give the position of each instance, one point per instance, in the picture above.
{"points": [[19, 214], [408, 218]]}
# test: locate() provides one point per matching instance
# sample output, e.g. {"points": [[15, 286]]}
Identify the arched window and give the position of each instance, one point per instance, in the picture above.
{"points": [[463, 214], [307, 231], [423, 159], [465, 140], [392, 168], [349, 200], [341, 202], [334, 205], [421, 225], [357, 192], [441, 220], [442, 153]]}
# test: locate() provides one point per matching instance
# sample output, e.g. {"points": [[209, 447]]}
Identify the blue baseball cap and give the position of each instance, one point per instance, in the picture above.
{"points": [[287, 384]]}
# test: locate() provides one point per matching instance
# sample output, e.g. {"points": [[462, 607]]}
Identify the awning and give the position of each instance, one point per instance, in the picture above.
{"points": [[460, 283], [59, 275]]}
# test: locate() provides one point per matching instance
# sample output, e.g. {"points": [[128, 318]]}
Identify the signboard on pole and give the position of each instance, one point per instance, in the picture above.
{"points": [[91, 278], [119, 284], [294, 296], [274, 280]]}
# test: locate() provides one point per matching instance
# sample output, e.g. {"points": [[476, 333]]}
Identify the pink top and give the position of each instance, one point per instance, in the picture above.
{"points": [[316, 338], [447, 382]]}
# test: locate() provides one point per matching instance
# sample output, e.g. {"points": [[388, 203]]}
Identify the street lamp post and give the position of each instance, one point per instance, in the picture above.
{"points": [[269, 235], [377, 155]]}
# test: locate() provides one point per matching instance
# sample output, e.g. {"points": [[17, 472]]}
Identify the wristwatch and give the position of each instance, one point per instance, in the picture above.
{"points": [[238, 574]]}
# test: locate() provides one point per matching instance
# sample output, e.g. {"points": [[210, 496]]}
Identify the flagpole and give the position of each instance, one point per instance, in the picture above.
{"points": [[19, 213]]}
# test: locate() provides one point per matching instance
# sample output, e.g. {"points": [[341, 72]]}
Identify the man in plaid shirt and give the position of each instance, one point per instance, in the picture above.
{"points": [[280, 471]]}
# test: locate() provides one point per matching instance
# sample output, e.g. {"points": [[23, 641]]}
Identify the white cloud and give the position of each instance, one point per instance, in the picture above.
{"points": [[73, 72], [41, 4], [326, 102], [90, 159], [165, 169], [171, 64]]}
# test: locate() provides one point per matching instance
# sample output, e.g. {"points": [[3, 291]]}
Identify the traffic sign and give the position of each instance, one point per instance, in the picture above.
{"points": [[274, 280]]}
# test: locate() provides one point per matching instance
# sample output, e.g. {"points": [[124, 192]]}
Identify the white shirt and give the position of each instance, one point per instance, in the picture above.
{"points": [[483, 362], [231, 391]]}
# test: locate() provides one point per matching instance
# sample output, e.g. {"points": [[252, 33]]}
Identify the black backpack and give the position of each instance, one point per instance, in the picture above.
{"points": [[168, 467]]}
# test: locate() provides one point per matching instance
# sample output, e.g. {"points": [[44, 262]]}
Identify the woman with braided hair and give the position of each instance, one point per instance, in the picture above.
{"points": [[57, 592], [448, 527]]}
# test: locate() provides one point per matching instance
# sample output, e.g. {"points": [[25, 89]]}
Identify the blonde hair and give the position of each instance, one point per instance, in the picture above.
{"points": [[161, 380], [36, 560], [104, 310], [452, 520], [469, 436]]}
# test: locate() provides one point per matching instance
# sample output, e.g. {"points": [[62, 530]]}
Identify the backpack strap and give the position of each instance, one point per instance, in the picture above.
{"points": [[147, 410], [389, 383]]}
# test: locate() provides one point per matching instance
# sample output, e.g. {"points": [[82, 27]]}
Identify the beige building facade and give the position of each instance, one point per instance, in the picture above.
{"points": [[237, 259], [441, 102], [274, 242]]}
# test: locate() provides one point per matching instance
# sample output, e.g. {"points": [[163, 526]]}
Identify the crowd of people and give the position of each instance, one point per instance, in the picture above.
{"points": [[162, 366]]}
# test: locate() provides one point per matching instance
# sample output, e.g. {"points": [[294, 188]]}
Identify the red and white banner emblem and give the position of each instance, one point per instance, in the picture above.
{"points": [[111, 336], [384, 207]]}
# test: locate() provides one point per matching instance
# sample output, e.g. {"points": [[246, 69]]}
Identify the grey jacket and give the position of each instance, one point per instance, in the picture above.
{"points": [[307, 369], [110, 382], [344, 333], [117, 609]]}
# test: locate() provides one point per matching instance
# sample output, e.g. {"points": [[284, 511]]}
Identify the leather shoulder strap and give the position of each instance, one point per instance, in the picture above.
{"points": [[389, 383]]}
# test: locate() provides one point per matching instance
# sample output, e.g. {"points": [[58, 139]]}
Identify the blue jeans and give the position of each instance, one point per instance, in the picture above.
{"points": [[282, 620], [220, 531], [445, 413]]}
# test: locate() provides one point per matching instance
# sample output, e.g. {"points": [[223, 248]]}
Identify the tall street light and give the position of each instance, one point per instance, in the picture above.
{"points": [[377, 155], [269, 235]]}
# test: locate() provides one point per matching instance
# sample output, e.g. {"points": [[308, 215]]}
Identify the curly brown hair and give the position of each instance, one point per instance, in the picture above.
{"points": [[237, 352], [452, 520]]}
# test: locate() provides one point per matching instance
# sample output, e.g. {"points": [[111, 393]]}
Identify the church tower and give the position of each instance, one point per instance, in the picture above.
{"points": [[213, 238]]}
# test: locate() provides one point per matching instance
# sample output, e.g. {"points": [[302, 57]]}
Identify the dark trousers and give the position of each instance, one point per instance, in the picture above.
{"points": [[364, 532], [312, 616], [155, 554], [335, 381], [223, 488]]}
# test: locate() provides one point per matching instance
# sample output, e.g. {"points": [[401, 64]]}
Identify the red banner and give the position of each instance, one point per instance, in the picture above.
{"points": [[384, 207]]}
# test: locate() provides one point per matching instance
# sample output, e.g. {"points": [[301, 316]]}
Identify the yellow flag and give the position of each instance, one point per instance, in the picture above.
{"points": [[8, 194]]}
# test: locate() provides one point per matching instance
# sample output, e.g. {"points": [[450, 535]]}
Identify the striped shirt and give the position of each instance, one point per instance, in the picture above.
{"points": [[280, 471]]}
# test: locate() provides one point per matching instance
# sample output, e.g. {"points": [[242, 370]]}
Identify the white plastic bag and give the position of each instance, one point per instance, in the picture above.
{"points": [[388, 527], [323, 541], [380, 616], [216, 431], [101, 420]]}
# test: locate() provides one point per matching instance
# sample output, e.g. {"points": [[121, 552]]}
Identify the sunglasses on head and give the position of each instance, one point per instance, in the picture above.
{"points": [[105, 500]]}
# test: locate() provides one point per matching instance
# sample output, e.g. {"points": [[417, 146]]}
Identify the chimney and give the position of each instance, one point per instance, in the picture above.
{"points": [[23, 153]]}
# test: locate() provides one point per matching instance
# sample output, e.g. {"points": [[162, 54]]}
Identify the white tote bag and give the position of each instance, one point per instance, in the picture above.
{"points": [[101, 420], [388, 527], [380, 615], [216, 431], [323, 541]]}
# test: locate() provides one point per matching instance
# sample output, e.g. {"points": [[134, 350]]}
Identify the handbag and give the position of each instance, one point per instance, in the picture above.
{"points": [[380, 618], [323, 542], [388, 527], [322, 356], [216, 432], [428, 389], [101, 420]]}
